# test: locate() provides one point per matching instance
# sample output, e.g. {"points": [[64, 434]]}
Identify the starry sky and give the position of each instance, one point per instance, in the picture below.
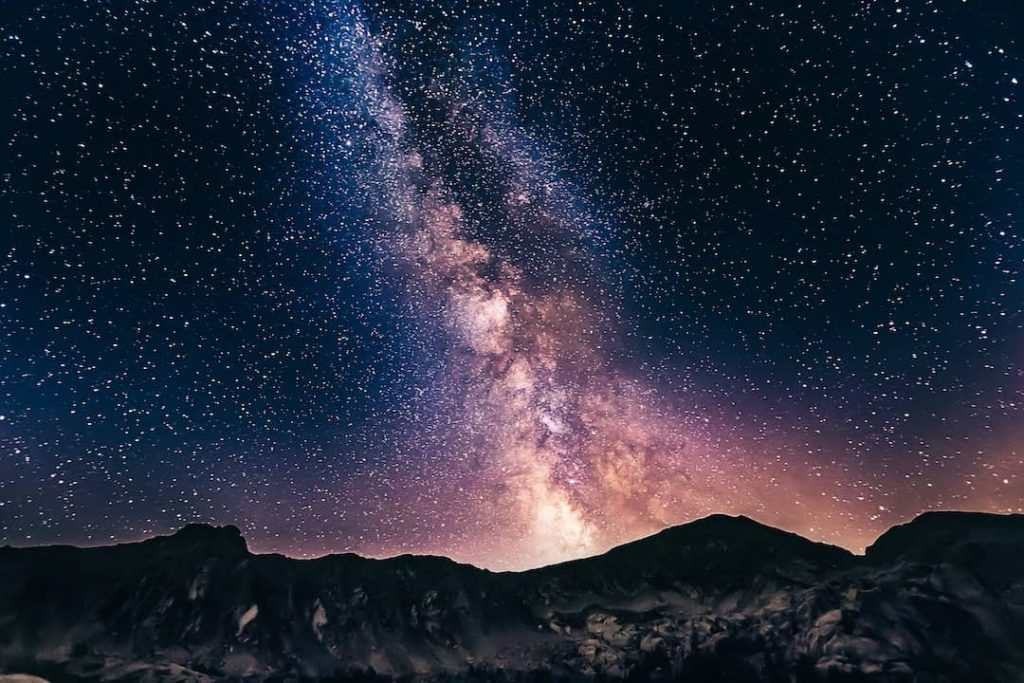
{"points": [[511, 282]]}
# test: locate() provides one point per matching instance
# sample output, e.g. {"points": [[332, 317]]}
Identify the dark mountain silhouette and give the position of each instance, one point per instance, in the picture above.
{"points": [[720, 599]]}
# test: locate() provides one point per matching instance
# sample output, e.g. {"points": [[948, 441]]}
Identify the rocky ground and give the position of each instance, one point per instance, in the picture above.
{"points": [[721, 599]]}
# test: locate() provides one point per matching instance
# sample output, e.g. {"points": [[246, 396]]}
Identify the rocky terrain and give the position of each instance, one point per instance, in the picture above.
{"points": [[720, 599]]}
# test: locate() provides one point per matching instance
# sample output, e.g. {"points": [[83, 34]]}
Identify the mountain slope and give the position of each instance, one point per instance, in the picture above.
{"points": [[720, 599]]}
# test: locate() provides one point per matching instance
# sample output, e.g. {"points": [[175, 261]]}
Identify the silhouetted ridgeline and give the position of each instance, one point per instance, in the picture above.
{"points": [[721, 599]]}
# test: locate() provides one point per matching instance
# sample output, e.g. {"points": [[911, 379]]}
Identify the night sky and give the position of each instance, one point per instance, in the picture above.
{"points": [[510, 282]]}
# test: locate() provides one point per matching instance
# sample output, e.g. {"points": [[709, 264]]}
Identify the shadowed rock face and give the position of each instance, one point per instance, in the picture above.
{"points": [[721, 599]]}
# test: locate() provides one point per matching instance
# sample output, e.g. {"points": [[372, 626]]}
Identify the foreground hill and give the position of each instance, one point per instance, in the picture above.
{"points": [[720, 599]]}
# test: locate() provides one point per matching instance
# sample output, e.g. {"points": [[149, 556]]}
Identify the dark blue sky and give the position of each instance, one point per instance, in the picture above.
{"points": [[781, 246]]}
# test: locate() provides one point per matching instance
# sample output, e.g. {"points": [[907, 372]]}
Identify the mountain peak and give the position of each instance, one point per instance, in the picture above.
{"points": [[947, 535], [205, 535], [202, 528]]}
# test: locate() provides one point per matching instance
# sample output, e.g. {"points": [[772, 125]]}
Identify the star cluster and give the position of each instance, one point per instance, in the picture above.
{"points": [[509, 282]]}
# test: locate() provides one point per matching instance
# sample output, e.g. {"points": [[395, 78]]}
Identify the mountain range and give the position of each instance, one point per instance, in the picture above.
{"points": [[940, 599]]}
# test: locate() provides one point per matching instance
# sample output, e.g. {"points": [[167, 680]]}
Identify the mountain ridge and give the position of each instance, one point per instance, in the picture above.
{"points": [[722, 598], [231, 531]]}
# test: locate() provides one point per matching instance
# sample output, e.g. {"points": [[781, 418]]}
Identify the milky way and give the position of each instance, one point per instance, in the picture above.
{"points": [[509, 284], [568, 452]]}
